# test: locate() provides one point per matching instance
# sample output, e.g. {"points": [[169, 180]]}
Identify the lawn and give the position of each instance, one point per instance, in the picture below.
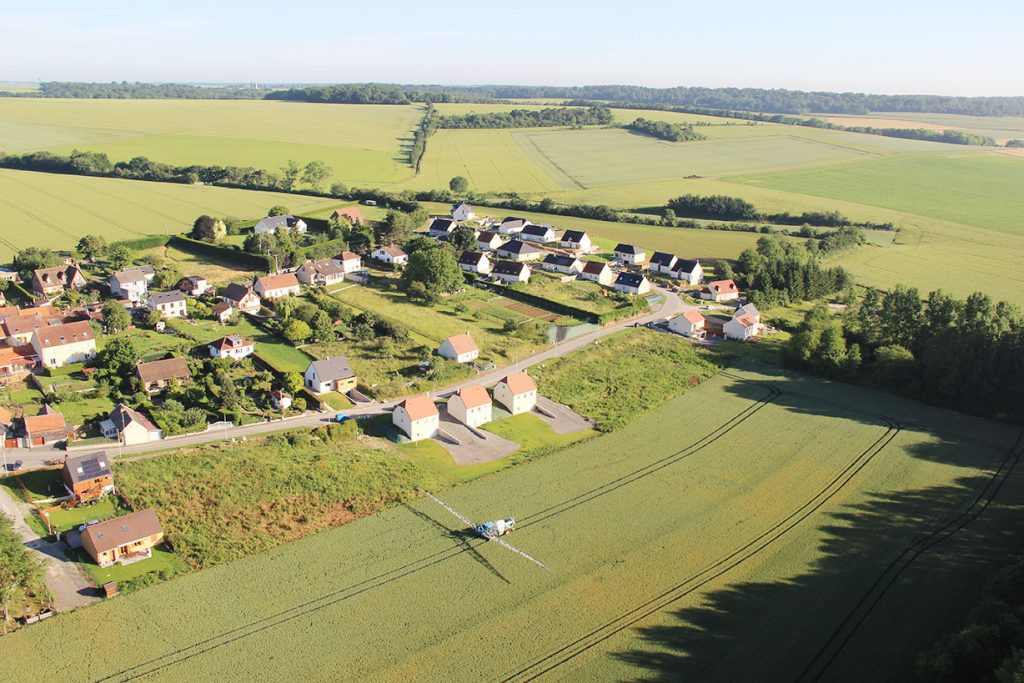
{"points": [[275, 350], [579, 293], [217, 273], [715, 535], [163, 563], [105, 508], [41, 484]]}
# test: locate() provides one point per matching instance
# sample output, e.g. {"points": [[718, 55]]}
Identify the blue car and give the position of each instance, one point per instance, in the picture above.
{"points": [[342, 417]]}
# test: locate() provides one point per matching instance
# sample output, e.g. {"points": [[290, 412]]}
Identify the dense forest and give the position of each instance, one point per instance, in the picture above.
{"points": [[139, 91], [663, 130], [531, 118], [354, 93]]}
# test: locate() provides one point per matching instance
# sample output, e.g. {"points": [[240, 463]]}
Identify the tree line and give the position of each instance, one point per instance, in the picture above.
{"points": [[726, 208], [961, 353], [426, 128], [353, 93], [139, 91], [531, 118], [663, 130]]}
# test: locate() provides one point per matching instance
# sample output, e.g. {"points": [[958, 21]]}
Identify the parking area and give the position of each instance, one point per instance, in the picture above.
{"points": [[475, 446], [562, 419]]}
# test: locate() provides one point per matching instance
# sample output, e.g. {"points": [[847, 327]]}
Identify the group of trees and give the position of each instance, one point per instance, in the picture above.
{"points": [[663, 130], [961, 353], [22, 576], [719, 207], [427, 127], [531, 118], [353, 93], [433, 270], [777, 273], [139, 91]]}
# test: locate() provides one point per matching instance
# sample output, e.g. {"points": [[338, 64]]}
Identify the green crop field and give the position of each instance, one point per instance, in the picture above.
{"points": [[1001, 128], [715, 535], [48, 210]]}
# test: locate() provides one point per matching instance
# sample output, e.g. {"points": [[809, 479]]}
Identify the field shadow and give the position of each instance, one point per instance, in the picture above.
{"points": [[892, 571]]}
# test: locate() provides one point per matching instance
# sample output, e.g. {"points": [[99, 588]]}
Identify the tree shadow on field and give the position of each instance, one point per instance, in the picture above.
{"points": [[464, 537], [887, 574]]}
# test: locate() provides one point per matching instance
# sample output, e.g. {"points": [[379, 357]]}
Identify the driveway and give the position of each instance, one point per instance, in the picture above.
{"points": [[473, 448], [69, 585], [561, 418]]}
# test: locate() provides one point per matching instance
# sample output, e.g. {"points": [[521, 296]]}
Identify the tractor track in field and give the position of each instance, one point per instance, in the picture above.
{"points": [[765, 539], [851, 624], [284, 616]]}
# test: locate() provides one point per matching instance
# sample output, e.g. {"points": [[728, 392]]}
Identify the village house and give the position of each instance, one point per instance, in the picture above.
{"points": [[417, 417], [475, 262], [510, 272], [392, 254], [462, 211], [517, 392], [511, 225], [629, 255], [330, 374], [689, 324], [597, 271], [124, 539], [9, 274], [129, 426], [62, 345], [242, 297], [281, 400], [168, 304], [348, 261], [688, 270], [16, 361], [460, 348], [538, 233], [441, 227], [576, 240], [222, 311], [632, 283], [322, 272], [720, 290], [489, 240], [560, 263], [271, 224], [132, 283], [350, 213], [87, 477], [232, 346], [193, 285], [277, 286], [662, 263], [470, 405], [517, 250], [18, 328], [52, 282], [155, 376], [745, 323], [45, 429]]}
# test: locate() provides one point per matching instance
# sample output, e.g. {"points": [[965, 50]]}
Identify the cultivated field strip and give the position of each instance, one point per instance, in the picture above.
{"points": [[283, 617]]}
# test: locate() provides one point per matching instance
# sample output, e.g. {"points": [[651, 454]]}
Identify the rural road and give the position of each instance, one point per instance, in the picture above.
{"points": [[68, 584], [670, 306]]}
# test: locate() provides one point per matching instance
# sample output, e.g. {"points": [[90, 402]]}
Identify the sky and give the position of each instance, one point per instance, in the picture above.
{"points": [[937, 47]]}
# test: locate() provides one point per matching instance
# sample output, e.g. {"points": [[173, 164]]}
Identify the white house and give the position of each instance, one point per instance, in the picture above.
{"points": [[323, 272], [348, 261], [662, 263], [475, 262], [60, 345], [168, 304], [470, 405], [511, 225], [391, 254], [689, 324], [281, 400], [193, 285], [132, 283], [462, 212], [597, 271], [576, 240], [271, 224], [232, 346], [517, 392], [510, 272], [518, 250], [629, 255], [688, 270], [242, 297], [277, 286], [720, 290], [632, 283], [489, 240], [129, 427], [460, 348], [560, 263], [418, 417], [441, 228], [745, 323], [330, 374], [537, 233]]}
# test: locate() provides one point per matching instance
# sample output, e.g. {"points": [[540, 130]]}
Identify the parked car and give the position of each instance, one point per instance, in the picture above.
{"points": [[342, 417], [88, 524]]}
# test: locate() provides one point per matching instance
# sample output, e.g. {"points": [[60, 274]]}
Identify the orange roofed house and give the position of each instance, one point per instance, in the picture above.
{"points": [[123, 539], [61, 345], [350, 213], [720, 290], [48, 428], [470, 405], [418, 417], [277, 286], [517, 392], [460, 348]]}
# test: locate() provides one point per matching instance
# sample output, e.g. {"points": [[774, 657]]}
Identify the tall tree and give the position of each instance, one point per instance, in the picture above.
{"points": [[290, 175], [91, 247], [315, 174], [458, 184]]}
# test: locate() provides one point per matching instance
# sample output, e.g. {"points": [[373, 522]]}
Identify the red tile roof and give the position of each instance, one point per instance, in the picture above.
{"points": [[520, 383], [462, 343], [474, 396], [419, 407]]}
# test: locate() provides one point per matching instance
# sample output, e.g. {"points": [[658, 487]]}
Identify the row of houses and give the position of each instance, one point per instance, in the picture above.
{"points": [[511, 272], [744, 324]]}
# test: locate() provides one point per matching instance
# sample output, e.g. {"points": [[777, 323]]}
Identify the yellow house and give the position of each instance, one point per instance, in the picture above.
{"points": [[62, 345], [123, 539]]}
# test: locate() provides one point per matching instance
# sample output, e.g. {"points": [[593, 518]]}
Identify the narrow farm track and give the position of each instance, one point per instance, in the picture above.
{"points": [[282, 617], [821, 663]]}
